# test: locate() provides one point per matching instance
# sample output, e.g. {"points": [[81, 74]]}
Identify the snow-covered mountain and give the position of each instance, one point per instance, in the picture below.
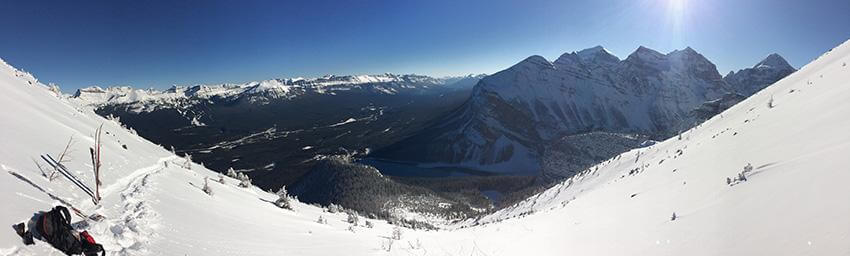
{"points": [[750, 80], [512, 114], [791, 202], [258, 92], [252, 126]]}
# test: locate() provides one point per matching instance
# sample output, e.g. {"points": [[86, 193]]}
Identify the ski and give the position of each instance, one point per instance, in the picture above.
{"points": [[65, 169], [95, 160], [60, 168]]}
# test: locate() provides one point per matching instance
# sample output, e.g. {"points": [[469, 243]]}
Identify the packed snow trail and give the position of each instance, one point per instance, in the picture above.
{"points": [[132, 230]]}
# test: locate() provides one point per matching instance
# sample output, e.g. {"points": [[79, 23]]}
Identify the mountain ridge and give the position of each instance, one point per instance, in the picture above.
{"points": [[511, 113], [262, 91]]}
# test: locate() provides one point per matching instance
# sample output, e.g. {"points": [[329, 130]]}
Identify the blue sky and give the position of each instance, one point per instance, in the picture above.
{"points": [[160, 43]]}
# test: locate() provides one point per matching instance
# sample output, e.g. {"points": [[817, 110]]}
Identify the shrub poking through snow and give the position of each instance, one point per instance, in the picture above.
{"points": [[188, 164], [672, 218], [369, 224], [333, 208], [220, 178], [352, 218], [322, 220], [283, 200], [244, 180], [207, 189], [232, 173], [742, 176], [415, 245], [770, 102], [387, 245], [396, 233], [64, 159]]}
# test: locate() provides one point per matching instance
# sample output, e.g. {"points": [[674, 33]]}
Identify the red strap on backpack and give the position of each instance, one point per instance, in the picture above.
{"points": [[85, 235]]}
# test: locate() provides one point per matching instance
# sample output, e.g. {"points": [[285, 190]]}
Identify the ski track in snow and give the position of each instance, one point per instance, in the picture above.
{"points": [[130, 233]]}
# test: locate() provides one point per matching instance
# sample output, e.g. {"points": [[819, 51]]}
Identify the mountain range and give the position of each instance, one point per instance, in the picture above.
{"points": [[514, 114], [274, 129], [764, 177], [534, 119]]}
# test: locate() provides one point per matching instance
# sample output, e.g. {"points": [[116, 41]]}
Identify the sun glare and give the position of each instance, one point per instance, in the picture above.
{"points": [[675, 19]]}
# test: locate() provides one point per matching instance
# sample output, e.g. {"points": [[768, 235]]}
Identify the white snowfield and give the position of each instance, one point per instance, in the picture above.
{"points": [[795, 201]]}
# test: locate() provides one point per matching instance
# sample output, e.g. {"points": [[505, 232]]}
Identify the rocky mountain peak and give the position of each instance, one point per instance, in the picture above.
{"points": [[534, 62], [597, 53], [774, 61]]}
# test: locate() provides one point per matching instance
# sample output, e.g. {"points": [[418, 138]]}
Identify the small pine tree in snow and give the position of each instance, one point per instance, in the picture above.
{"points": [[333, 208], [283, 199], [244, 180], [322, 220], [352, 218], [387, 244], [207, 189], [396, 233], [680, 135], [672, 218], [369, 224], [173, 152], [188, 163], [770, 102], [220, 178], [232, 173]]}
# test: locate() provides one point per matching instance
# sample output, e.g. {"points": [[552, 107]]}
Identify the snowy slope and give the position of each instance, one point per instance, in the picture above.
{"points": [[151, 209], [794, 202]]}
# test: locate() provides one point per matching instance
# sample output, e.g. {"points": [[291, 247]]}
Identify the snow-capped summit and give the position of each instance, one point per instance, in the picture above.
{"points": [[588, 59], [643, 54], [258, 92], [534, 62], [750, 80], [774, 61], [597, 54], [515, 112]]}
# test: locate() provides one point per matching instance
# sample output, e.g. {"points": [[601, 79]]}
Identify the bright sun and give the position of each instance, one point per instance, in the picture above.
{"points": [[676, 15], [676, 6]]}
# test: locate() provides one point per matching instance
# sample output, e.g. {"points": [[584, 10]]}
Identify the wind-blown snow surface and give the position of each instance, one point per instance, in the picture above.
{"points": [[795, 201]]}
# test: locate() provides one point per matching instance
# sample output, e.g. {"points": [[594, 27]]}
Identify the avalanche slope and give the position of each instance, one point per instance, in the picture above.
{"points": [[794, 202]]}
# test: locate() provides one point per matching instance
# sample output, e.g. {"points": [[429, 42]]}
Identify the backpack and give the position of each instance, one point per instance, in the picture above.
{"points": [[55, 227]]}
